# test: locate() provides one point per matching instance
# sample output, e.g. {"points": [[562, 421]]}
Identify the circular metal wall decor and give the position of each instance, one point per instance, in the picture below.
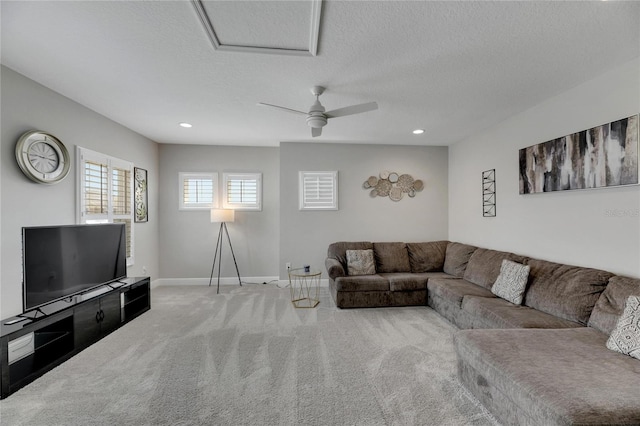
{"points": [[395, 194], [393, 185], [383, 187]]}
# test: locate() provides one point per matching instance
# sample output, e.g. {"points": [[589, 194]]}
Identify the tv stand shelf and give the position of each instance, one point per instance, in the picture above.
{"points": [[33, 346]]}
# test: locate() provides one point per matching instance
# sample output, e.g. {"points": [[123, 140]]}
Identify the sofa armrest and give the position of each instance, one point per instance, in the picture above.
{"points": [[334, 268]]}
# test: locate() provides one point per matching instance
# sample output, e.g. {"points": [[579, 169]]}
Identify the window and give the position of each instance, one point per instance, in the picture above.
{"points": [[242, 191], [318, 190], [198, 191], [105, 192]]}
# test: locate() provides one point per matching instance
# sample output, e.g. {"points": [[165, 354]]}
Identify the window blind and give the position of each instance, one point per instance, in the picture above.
{"points": [[121, 191], [318, 191], [197, 191], [105, 192], [242, 191], [95, 188], [127, 227]]}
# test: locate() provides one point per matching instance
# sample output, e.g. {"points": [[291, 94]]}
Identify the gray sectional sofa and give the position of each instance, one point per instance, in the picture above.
{"points": [[544, 362]]}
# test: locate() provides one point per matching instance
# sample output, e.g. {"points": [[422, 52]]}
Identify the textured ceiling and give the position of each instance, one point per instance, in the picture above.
{"points": [[452, 68], [284, 25]]}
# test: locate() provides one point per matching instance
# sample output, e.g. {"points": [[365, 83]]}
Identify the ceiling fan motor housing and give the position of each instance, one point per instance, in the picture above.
{"points": [[316, 120], [316, 117]]}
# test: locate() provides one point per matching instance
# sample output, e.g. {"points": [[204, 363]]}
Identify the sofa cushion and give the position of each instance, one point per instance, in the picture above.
{"points": [[456, 259], [406, 281], [339, 249], [484, 266], [611, 302], [360, 262], [361, 299], [391, 257], [362, 283], [442, 275], [552, 376], [625, 338], [511, 282], [499, 313], [454, 290], [566, 291], [427, 257]]}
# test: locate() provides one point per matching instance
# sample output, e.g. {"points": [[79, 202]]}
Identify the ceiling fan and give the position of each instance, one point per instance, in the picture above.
{"points": [[317, 117]]}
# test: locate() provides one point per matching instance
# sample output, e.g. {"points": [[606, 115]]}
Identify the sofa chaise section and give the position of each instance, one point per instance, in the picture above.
{"points": [[549, 376], [561, 376]]}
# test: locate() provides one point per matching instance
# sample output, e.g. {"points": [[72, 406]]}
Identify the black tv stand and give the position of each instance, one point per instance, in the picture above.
{"points": [[31, 346]]}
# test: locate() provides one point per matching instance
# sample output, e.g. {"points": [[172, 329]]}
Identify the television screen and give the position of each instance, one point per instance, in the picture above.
{"points": [[59, 261]]}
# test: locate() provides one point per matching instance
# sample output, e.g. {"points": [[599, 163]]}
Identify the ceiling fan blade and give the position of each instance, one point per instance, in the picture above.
{"points": [[316, 131], [353, 109], [295, 111]]}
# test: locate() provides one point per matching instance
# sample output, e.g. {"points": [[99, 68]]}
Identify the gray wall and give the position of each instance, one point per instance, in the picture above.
{"points": [[27, 105], [598, 228], [305, 235], [188, 238]]}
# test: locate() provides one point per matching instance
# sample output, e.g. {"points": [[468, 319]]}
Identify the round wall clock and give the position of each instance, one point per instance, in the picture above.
{"points": [[42, 157]]}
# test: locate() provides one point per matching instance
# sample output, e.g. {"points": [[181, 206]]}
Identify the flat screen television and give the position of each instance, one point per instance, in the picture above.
{"points": [[61, 261]]}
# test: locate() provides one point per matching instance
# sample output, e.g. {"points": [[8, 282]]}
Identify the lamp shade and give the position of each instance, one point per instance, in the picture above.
{"points": [[222, 215]]}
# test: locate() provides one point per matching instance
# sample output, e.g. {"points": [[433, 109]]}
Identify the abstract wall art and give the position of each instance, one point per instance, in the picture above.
{"points": [[602, 156]]}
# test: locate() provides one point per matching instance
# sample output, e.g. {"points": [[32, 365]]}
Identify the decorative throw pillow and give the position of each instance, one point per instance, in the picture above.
{"points": [[360, 262], [625, 338], [511, 282]]}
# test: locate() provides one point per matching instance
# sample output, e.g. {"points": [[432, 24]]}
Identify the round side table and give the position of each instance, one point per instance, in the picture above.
{"points": [[304, 287]]}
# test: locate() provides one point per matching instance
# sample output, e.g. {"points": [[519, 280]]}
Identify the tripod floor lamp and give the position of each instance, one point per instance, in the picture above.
{"points": [[222, 216]]}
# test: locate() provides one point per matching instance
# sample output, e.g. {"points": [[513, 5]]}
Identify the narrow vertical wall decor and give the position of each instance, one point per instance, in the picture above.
{"points": [[141, 195], [489, 193]]}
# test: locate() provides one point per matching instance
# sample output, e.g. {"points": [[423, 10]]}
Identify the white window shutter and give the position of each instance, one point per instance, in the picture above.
{"points": [[198, 191], [318, 190], [105, 192], [242, 191]]}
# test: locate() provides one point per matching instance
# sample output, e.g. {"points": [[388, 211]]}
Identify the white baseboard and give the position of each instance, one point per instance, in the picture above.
{"points": [[160, 282]]}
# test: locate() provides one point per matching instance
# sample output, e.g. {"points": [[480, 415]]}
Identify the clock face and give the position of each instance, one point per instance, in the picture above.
{"points": [[42, 157]]}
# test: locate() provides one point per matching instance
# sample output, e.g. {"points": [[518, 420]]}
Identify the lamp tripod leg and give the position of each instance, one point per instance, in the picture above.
{"points": [[219, 256], [233, 254], [215, 257]]}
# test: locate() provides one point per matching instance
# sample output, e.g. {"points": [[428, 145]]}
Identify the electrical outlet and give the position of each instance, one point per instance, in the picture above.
{"points": [[288, 265], [144, 270]]}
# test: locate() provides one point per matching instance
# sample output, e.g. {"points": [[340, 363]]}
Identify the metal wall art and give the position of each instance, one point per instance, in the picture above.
{"points": [[602, 156], [141, 195], [489, 193], [393, 185]]}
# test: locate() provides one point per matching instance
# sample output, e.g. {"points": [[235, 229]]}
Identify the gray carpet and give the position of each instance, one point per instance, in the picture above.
{"points": [[247, 357]]}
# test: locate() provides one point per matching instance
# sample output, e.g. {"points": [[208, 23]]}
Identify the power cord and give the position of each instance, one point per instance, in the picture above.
{"points": [[267, 282], [289, 269], [263, 282]]}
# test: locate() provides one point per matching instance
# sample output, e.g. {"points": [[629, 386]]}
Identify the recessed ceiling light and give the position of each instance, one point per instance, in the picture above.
{"points": [[187, 125], [418, 131]]}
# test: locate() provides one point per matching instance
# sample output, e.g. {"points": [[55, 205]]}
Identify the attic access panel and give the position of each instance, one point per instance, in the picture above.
{"points": [[276, 27]]}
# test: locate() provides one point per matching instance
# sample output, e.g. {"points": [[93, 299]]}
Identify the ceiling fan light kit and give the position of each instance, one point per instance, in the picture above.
{"points": [[317, 117]]}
